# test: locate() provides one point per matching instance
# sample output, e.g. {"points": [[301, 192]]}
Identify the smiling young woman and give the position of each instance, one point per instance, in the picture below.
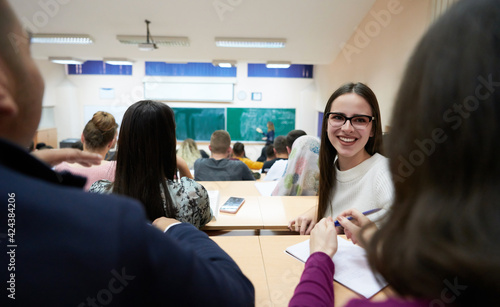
{"points": [[353, 173]]}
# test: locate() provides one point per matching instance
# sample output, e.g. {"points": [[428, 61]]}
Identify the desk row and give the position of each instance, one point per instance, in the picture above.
{"points": [[274, 273], [260, 212]]}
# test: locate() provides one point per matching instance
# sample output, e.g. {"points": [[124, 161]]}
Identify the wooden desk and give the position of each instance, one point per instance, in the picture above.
{"points": [[246, 252], [277, 211], [263, 212], [282, 272], [258, 212], [231, 188], [248, 217]]}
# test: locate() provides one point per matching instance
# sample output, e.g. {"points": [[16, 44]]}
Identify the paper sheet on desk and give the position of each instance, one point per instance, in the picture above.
{"points": [[266, 187], [351, 267], [214, 202]]}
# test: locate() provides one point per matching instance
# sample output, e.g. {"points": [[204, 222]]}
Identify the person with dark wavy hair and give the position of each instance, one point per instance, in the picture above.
{"points": [[440, 243], [98, 136], [146, 164], [353, 172]]}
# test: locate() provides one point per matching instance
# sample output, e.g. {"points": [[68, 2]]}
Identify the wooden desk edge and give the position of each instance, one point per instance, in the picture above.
{"points": [[239, 227]]}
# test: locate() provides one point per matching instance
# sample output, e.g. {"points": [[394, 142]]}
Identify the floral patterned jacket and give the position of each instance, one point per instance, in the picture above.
{"points": [[190, 198]]}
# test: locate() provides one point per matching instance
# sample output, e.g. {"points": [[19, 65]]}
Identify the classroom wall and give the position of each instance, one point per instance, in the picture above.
{"points": [[377, 52], [70, 94]]}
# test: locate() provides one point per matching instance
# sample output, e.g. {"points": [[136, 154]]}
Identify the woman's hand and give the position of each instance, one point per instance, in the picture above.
{"points": [[353, 227], [304, 223], [324, 237]]}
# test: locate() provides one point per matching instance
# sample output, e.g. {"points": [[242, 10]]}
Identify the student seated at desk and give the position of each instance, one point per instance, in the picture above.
{"points": [[239, 153], [440, 244], [280, 152], [219, 167], [98, 136], [189, 152], [353, 173], [270, 154], [146, 164], [277, 169], [302, 173]]}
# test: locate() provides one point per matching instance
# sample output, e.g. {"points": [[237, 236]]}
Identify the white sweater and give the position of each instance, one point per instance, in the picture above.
{"points": [[365, 186]]}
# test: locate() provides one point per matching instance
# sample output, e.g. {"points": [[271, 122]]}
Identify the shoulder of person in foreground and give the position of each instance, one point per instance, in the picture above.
{"points": [[116, 246]]}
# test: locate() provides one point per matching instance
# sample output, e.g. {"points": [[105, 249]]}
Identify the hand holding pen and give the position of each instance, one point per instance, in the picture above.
{"points": [[353, 220], [350, 216]]}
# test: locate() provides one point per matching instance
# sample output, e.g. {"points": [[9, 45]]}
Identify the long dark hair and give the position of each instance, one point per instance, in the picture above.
{"points": [[442, 237], [146, 156], [327, 152]]}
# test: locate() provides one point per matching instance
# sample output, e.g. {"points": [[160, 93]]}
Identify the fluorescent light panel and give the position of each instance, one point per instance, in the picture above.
{"points": [[146, 47], [118, 61], [80, 39], [278, 64], [250, 42], [172, 41], [224, 63], [66, 60]]}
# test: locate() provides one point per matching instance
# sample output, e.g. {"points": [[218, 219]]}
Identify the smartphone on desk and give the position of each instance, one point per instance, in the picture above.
{"points": [[232, 205]]}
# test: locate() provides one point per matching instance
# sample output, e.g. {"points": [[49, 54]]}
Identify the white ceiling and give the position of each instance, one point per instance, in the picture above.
{"points": [[314, 29]]}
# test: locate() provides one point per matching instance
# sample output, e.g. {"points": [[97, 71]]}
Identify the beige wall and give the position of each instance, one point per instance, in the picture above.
{"points": [[377, 52]]}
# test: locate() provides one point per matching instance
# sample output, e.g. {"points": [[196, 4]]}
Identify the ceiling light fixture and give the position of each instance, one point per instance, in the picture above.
{"points": [[171, 41], [224, 63], [278, 64], [81, 39], [118, 61], [66, 60], [250, 42]]}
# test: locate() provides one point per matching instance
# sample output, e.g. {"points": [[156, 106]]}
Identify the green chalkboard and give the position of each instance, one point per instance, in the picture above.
{"points": [[242, 122], [198, 123]]}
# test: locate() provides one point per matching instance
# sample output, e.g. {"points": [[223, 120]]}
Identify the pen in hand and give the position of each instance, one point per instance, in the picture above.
{"points": [[337, 224]]}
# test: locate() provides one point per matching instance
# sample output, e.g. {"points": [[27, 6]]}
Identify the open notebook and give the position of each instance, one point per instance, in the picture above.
{"points": [[351, 267]]}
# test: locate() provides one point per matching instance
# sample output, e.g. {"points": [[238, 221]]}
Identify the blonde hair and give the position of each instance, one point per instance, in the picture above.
{"points": [[189, 152], [270, 126]]}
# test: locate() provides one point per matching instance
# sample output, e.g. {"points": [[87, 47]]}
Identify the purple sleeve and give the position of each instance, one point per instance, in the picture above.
{"points": [[316, 284]]}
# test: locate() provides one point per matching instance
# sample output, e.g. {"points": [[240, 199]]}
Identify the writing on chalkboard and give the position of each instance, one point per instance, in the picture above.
{"points": [[242, 122], [200, 123]]}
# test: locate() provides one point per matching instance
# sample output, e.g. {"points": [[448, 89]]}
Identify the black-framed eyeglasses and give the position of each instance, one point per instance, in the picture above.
{"points": [[336, 120]]}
